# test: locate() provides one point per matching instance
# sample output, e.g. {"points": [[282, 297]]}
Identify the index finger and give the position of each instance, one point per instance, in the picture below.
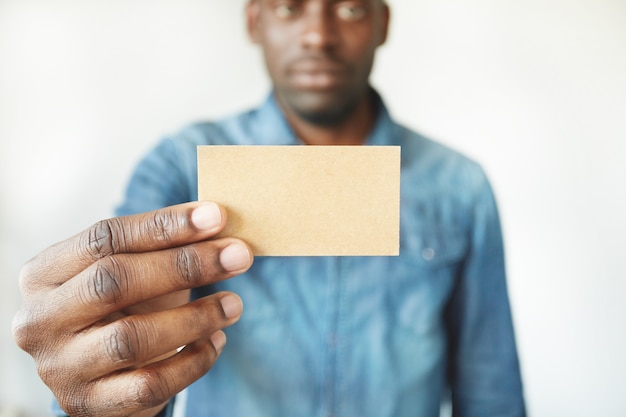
{"points": [[160, 229]]}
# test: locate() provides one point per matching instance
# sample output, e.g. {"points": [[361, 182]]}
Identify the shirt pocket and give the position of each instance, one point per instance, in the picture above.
{"points": [[431, 260], [432, 246]]}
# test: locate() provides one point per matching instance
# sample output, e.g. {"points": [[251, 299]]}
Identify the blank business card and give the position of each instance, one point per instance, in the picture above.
{"points": [[306, 200]]}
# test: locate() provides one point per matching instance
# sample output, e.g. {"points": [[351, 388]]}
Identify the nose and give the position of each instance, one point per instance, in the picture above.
{"points": [[319, 31]]}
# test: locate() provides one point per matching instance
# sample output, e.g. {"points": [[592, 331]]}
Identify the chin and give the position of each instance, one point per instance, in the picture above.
{"points": [[321, 118], [322, 108]]}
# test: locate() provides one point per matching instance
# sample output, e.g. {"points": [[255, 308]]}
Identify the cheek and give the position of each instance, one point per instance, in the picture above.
{"points": [[276, 46], [361, 58], [360, 44]]}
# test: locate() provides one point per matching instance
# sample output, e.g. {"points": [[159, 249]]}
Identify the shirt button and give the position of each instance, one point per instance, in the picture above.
{"points": [[428, 254]]}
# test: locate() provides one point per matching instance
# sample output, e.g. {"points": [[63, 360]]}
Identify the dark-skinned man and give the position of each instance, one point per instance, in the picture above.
{"points": [[106, 311]]}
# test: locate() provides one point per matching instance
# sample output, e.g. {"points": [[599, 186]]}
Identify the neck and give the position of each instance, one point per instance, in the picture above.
{"points": [[352, 130]]}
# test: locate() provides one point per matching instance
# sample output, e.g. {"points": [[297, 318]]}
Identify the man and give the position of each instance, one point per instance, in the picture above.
{"points": [[106, 312]]}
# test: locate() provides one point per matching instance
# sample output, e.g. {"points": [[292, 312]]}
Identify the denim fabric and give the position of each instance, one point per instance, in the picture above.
{"points": [[360, 336]]}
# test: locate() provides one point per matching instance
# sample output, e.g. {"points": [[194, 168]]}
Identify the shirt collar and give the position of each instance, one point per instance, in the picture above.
{"points": [[270, 125], [272, 128]]}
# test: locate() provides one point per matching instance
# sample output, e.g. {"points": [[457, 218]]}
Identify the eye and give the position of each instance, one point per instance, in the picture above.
{"points": [[351, 12], [285, 10]]}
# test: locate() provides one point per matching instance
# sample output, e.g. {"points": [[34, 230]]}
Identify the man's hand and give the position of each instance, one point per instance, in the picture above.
{"points": [[106, 311]]}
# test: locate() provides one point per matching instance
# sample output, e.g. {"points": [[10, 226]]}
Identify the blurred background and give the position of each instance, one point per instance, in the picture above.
{"points": [[534, 90]]}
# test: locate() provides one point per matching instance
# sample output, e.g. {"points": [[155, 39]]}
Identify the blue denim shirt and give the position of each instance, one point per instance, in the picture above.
{"points": [[360, 336]]}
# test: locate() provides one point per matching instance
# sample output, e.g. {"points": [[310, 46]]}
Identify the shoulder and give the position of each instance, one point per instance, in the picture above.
{"points": [[437, 165], [233, 129], [446, 197], [425, 161], [167, 173]]}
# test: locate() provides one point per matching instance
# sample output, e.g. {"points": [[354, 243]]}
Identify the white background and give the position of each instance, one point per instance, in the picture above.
{"points": [[535, 90]]}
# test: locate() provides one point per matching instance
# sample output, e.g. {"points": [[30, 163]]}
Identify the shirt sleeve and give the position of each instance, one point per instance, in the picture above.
{"points": [[165, 176], [483, 365]]}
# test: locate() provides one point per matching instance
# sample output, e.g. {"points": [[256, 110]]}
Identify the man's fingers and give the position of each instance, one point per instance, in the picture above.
{"points": [[121, 281], [166, 228], [103, 308], [147, 387], [139, 339]]}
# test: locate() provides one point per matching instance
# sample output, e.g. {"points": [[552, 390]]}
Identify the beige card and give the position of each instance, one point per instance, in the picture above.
{"points": [[306, 200]]}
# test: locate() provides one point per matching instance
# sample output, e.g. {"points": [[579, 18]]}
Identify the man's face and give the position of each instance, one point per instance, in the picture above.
{"points": [[319, 53]]}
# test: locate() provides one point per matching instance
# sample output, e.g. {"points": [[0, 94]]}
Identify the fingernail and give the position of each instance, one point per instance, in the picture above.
{"points": [[234, 257], [206, 217], [218, 339], [232, 305]]}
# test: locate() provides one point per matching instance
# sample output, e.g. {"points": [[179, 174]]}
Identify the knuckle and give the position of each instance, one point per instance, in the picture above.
{"points": [[106, 281], [48, 369], [120, 342], [163, 225], [58, 370], [26, 278], [104, 237], [20, 329], [189, 264], [76, 403], [27, 327], [152, 388]]}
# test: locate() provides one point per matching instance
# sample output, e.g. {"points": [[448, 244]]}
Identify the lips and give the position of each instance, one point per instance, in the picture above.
{"points": [[317, 74]]}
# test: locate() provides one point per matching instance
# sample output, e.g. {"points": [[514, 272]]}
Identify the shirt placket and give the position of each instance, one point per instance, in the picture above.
{"points": [[334, 340]]}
